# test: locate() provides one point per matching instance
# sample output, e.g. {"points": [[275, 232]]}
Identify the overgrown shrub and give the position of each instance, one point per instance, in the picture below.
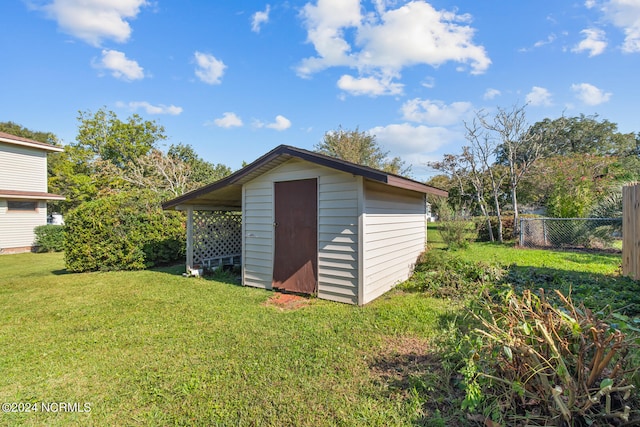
{"points": [[443, 274], [456, 232], [125, 231], [483, 229], [49, 238], [537, 364]]}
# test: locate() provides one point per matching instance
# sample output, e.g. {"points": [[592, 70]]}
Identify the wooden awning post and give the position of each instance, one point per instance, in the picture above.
{"points": [[189, 238]]}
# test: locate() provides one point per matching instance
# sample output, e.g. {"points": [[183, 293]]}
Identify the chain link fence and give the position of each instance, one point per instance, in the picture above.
{"points": [[572, 233]]}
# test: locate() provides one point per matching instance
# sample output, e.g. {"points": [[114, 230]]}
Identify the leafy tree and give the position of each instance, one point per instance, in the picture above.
{"points": [[72, 175], [116, 141], [95, 163], [202, 172], [583, 135], [361, 148], [578, 183], [174, 173]]}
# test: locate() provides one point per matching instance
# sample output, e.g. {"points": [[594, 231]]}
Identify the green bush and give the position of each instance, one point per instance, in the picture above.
{"points": [[125, 231], [457, 233], [507, 228], [49, 238]]}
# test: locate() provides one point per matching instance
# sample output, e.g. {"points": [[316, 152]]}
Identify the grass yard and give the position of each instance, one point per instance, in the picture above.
{"points": [[592, 277], [154, 348]]}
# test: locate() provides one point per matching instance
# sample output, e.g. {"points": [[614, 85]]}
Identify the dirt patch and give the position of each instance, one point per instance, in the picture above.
{"points": [[287, 301], [409, 365], [403, 358]]}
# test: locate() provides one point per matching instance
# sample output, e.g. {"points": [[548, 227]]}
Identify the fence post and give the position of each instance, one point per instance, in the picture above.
{"points": [[521, 233], [630, 231]]}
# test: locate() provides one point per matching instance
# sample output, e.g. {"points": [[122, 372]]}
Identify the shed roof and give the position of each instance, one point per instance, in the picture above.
{"points": [[18, 140], [227, 192]]}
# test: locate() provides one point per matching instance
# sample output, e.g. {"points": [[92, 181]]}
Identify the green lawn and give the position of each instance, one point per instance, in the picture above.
{"points": [[592, 277], [506, 254], [154, 348]]}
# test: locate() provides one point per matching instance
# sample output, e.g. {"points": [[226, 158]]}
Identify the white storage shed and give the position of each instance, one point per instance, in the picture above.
{"points": [[303, 222]]}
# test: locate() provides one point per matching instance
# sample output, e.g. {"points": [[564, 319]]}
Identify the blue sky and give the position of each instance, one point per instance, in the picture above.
{"points": [[236, 78]]}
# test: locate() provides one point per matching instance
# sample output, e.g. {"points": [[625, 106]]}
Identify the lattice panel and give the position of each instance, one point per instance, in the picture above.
{"points": [[216, 235]]}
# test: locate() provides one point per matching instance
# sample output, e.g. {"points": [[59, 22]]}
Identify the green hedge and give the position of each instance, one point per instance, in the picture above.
{"points": [[125, 231], [49, 238]]}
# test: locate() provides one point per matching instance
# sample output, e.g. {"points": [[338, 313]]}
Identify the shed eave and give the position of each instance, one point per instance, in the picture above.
{"points": [[207, 195]]}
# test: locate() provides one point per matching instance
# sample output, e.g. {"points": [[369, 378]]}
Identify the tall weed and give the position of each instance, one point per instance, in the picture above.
{"points": [[444, 274], [538, 364]]}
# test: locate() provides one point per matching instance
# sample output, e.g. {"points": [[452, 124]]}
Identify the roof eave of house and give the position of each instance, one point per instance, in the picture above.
{"points": [[15, 140]]}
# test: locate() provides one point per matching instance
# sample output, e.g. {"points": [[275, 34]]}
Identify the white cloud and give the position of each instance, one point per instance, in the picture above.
{"points": [[260, 18], [371, 86], [281, 123], [228, 120], [151, 109], [416, 33], [625, 14], [120, 66], [491, 93], [208, 68], [589, 94], [594, 42], [326, 22], [94, 20], [429, 82], [408, 139], [435, 112], [550, 39], [382, 43], [539, 97]]}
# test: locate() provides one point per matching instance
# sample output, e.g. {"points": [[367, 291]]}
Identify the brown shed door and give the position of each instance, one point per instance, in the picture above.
{"points": [[295, 266]]}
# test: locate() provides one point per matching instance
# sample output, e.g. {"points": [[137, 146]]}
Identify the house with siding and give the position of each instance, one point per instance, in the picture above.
{"points": [[299, 221], [23, 191]]}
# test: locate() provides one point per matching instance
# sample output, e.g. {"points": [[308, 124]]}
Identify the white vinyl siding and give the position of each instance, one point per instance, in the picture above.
{"points": [[257, 220], [337, 228], [394, 236], [338, 237], [16, 227], [22, 168]]}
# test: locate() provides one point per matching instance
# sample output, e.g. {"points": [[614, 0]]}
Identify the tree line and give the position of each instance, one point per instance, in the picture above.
{"points": [[110, 156], [567, 167]]}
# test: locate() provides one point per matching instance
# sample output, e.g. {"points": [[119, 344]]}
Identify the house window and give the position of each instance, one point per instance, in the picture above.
{"points": [[14, 205]]}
